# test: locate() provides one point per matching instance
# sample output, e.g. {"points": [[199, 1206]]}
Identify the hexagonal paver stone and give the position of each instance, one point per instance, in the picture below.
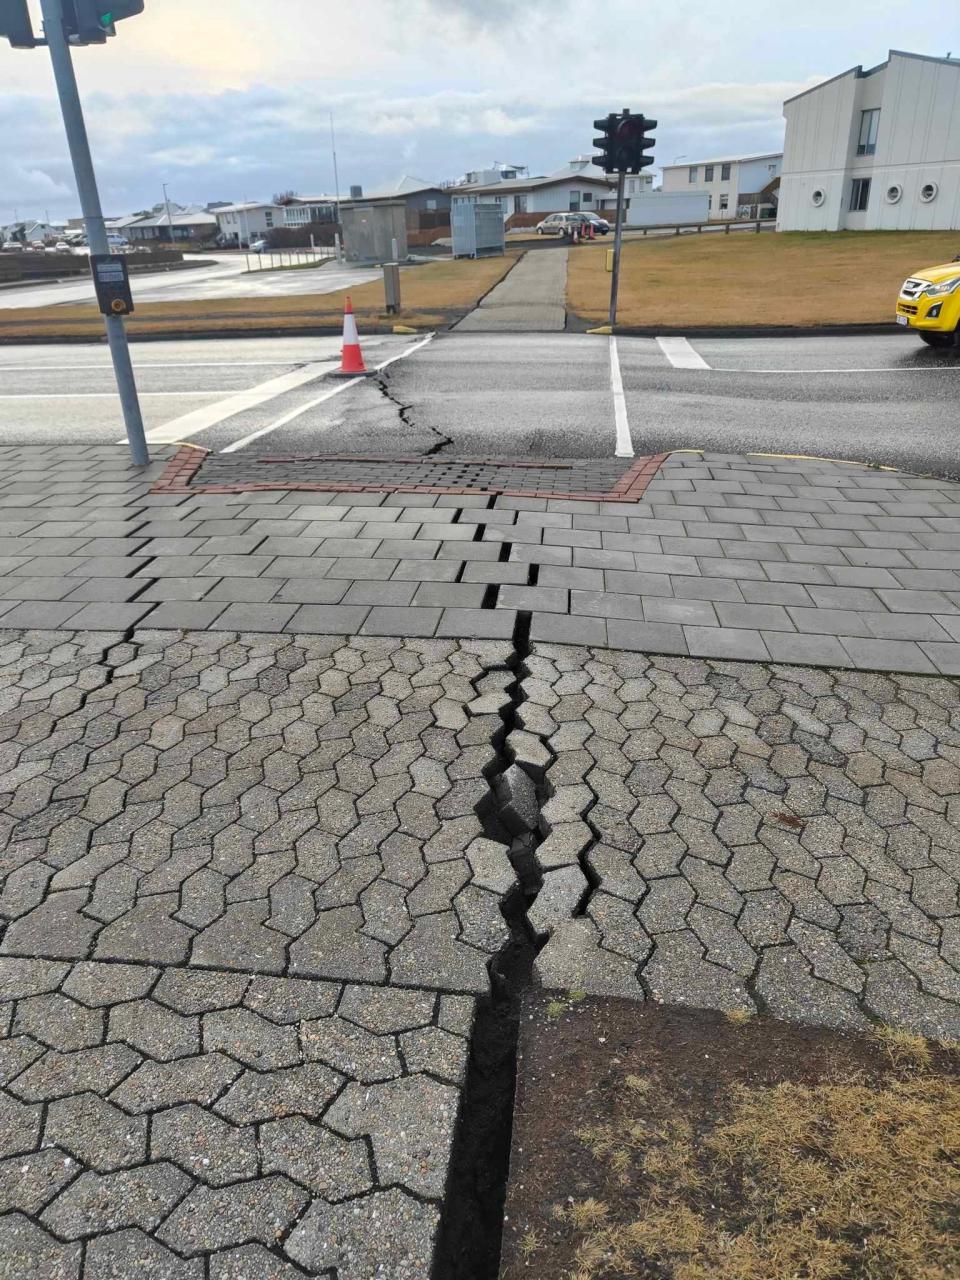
{"points": [[21, 978], [191, 991], [790, 990], [155, 1085], [28, 1253], [251, 1262], [410, 1123], [240, 940], [335, 947], [250, 1039], [57, 1074], [677, 973], [131, 1253], [28, 1182], [386, 1009], [291, 999], [154, 1030], [439, 1052], [326, 1165], [97, 985], [358, 1053], [575, 960], [260, 1095], [892, 993], [212, 1150], [147, 932], [432, 955], [385, 1234], [215, 1219], [59, 1022], [97, 1203], [96, 1132], [55, 927], [19, 1126]]}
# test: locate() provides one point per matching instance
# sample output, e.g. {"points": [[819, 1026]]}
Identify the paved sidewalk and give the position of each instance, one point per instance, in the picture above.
{"points": [[531, 297], [793, 560]]}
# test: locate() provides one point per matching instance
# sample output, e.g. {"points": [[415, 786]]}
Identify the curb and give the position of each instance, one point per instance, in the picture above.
{"points": [[577, 324]]}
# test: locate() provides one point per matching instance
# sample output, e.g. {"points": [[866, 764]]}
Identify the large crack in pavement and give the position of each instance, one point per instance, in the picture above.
{"points": [[404, 411]]}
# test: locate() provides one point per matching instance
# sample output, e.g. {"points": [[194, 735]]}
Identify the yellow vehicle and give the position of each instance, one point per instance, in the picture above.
{"points": [[929, 303]]}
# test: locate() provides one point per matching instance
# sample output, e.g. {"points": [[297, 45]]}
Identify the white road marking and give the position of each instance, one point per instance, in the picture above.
{"points": [[624, 440], [680, 353], [142, 364], [93, 395], [327, 395], [200, 419], [942, 368]]}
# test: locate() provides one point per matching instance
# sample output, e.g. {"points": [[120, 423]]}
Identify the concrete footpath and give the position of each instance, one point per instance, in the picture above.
{"points": [[265, 863], [532, 297]]}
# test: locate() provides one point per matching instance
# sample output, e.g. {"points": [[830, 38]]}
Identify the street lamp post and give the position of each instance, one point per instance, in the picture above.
{"points": [[166, 201]]}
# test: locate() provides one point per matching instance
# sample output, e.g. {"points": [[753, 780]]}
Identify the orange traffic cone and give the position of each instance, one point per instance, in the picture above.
{"points": [[351, 357], [592, 231]]}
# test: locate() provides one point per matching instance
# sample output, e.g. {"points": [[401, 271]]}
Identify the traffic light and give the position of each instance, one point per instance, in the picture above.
{"points": [[91, 21], [625, 142], [15, 24], [608, 127]]}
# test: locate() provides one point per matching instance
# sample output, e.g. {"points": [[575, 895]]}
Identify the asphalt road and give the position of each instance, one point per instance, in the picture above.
{"points": [[884, 399], [227, 278]]}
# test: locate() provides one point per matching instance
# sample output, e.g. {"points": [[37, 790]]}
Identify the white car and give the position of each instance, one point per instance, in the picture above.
{"points": [[117, 242], [258, 246], [62, 247]]}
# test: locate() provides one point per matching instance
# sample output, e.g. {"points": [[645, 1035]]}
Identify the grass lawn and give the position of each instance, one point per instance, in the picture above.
{"points": [[668, 1144], [789, 278], [430, 293]]}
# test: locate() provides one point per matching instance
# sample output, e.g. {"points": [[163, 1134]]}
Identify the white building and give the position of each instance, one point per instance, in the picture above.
{"points": [[736, 186], [579, 187], [241, 223], [301, 211], [667, 208], [875, 150]]}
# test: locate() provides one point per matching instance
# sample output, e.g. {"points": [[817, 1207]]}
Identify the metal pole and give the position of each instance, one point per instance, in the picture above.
{"points": [[166, 201], [336, 176], [76, 132], [617, 239]]}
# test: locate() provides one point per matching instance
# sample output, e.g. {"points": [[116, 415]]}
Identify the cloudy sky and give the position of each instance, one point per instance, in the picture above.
{"points": [[230, 99]]}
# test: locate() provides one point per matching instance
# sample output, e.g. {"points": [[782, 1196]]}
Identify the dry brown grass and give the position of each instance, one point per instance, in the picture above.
{"points": [[794, 278], [843, 1180], [429, 294]]}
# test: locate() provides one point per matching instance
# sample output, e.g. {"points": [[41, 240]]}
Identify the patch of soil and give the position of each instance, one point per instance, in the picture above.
{"points": [[655, 1143]]}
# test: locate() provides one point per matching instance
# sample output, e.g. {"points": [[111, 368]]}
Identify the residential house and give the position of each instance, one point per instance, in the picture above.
{"points": [[302, 211], [496, 172], [578, 186], [736, 186], [241, 223], [179, 225], [875, 150], [427, 204], [34, 231]]}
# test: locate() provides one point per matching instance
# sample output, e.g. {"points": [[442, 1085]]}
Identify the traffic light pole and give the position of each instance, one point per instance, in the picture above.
{"points": [[92, 215], [617, 241]]}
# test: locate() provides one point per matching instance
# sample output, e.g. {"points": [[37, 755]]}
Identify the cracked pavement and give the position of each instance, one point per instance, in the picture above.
{"points": [[743, 836]]}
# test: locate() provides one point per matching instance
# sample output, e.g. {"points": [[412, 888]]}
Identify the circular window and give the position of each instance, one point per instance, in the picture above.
{"points": [[818, 197], [928, 192], [894, 193]]}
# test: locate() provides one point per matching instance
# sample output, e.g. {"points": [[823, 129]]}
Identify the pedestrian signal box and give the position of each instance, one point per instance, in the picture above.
{"points": [[112, 283]]}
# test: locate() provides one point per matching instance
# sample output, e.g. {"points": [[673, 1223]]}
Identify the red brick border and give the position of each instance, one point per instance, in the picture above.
{"points": [[186, 462]]}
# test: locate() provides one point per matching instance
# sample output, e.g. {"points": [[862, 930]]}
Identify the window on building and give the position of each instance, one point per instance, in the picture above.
{"points": [[587, 197], [574, 201], [519, 204], [708, 173], [859, 195], [709, 203], [724, 201], [268, 217], [432, 206], [771, 168], [869, 124], [724, 173], [692, 173]]}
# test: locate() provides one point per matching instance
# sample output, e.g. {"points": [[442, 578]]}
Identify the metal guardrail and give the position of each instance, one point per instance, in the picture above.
{"points": [[733, 224], [268, 259]]}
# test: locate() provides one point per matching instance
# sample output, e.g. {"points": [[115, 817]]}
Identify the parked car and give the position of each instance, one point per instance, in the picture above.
{"points": [[601, 225], [258, 246], [116, 241], [62, 247], [929, 303], [562, 224]]}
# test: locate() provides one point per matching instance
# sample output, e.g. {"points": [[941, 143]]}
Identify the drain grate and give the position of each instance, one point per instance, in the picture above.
{"points": [[607, 479]]}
